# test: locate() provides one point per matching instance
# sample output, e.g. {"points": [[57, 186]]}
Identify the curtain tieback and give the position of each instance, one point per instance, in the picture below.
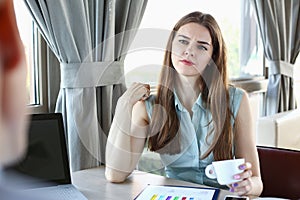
{"points": [[281, 67], [93, 74]]}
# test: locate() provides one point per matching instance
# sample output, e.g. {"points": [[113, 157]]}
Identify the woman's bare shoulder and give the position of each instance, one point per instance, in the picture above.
{"points": [[139, 112]]}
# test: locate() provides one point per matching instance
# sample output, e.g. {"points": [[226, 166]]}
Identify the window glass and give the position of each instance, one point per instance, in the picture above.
{"points": [[143, 64], [28, 37]]}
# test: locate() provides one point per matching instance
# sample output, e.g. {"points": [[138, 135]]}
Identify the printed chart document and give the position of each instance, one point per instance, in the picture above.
{"points": [[169, 192]]}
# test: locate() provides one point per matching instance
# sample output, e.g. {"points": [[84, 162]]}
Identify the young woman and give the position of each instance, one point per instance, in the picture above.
{"points": [[195, 118]]}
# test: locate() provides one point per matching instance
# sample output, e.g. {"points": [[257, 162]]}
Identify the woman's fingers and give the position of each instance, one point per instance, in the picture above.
{"points": [[136, 92], [244, 175], [147, 92], [147, 86], [244, 186], [245, 166], [140, 91]]}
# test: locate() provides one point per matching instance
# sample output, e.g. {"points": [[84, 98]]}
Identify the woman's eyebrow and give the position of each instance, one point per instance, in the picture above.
{"points": [[200, 41], [203, 42], [186, 37]]}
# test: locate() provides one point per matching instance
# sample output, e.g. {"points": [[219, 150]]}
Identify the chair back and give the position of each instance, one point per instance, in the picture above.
{"points": [[280, 172]]}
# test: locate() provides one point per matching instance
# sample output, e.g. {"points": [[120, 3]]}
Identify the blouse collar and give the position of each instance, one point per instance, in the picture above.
{"points": [[180, 107]]}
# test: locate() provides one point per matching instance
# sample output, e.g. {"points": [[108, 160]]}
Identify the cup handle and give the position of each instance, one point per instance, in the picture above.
{"points": [[210, 172]]}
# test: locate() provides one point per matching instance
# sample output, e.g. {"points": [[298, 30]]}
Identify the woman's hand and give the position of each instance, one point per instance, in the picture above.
{"points": [[123, 113], [244, 186], [135, 93]]}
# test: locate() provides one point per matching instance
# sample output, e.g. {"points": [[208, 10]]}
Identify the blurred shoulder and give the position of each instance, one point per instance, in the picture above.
{"points": [[236, 91]]}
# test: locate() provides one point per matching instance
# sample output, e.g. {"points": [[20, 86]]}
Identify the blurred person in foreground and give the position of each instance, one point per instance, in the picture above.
{"points": [[12, 88], [13, 120]]}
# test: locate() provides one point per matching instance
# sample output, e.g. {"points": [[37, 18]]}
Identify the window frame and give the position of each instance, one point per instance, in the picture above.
{"points": [[40, 67]]}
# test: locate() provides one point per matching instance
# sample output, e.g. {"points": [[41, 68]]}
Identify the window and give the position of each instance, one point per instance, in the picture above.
{"points": [[297, 80], [34, 48], [144, 64]]}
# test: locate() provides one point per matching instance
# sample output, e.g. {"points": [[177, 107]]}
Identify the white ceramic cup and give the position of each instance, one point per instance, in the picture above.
{"points": [[224, 170]]}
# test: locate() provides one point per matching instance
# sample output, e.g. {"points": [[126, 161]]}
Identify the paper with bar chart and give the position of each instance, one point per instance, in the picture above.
{"points": [[165, 192]]}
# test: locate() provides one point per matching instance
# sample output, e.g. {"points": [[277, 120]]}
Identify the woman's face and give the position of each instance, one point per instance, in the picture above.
{"points": [[191, 49]]}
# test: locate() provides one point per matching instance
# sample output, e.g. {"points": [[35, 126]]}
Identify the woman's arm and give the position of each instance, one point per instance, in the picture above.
{"points": [[127, 135], [245, 147]]}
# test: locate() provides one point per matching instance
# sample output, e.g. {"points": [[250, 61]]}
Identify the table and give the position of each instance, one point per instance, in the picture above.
{"points": [[92, 183]]}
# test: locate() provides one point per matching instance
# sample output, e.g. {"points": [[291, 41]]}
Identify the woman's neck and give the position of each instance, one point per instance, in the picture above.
{"points": [[187, 90]]}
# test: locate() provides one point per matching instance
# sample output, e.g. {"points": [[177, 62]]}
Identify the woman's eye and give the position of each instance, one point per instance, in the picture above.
{"points": [[183, 41], [201, 47]]}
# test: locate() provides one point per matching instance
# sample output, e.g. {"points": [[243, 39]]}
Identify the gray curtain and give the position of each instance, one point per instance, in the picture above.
{"points": [[90, 39], [249, 33], [279, 23]]}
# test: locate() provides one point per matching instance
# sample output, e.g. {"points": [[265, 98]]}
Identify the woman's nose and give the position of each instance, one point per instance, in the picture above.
{"points": [[189, 51]]}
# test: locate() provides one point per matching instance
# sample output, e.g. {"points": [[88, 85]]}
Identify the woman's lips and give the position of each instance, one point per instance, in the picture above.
{"points": [[187, 62]]}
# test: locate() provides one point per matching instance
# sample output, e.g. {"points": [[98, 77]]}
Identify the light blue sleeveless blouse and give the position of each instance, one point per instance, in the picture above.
{"points": [[187, 165]]}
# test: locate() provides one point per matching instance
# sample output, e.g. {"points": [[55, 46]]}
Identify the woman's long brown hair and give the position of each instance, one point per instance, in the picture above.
{"points": [[213, 84]]}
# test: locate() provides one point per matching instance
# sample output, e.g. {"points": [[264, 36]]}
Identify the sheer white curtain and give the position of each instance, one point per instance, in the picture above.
{"points": [[279, 23], [90, 39]]}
